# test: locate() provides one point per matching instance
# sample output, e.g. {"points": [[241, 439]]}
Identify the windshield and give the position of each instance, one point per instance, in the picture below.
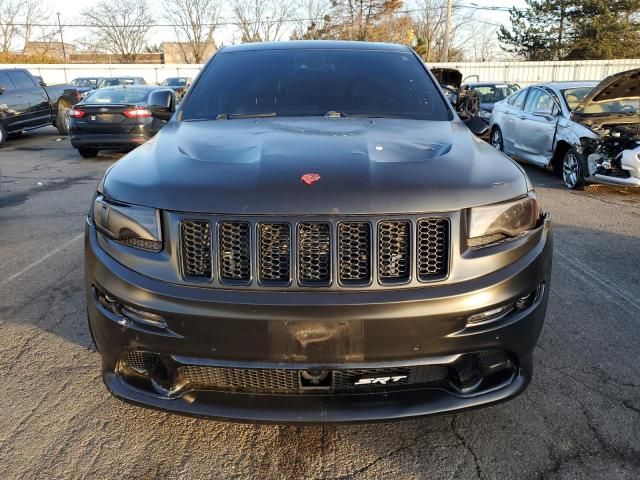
{"points": [[493, 93], [574, 96], [84, 82], [174, 82], [120, 95], [313, 82]]}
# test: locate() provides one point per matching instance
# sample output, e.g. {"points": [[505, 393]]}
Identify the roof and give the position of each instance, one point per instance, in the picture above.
{"points": [[313, 45], [563, 85], [137, 87]]}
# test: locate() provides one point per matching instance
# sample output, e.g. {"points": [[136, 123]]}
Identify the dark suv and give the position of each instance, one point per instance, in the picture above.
{"points": [[315, 236]]}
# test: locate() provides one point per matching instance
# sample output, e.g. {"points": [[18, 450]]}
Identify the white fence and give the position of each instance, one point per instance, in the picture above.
{"points": [[522, 73], [525, 73]]}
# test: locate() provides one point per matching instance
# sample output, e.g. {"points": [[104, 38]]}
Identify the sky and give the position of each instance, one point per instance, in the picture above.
{"points": [[70, 13]]}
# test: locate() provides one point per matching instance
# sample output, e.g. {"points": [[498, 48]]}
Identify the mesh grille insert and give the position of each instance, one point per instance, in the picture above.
{"points": [[196, 249], [314, 252], [433, 249], [241, 379], [354, 247], [234, 247], [274, 252], [394, 257]]}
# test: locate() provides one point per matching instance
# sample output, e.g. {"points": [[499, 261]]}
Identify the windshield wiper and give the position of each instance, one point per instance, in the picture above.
{"points": [[231, 116]]}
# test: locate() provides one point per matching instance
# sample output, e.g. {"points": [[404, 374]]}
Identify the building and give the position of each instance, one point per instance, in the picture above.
{"points": [[181, 52], [49, 49]]}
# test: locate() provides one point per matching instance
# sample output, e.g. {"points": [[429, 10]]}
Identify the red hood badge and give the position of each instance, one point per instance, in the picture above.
{"points": [[310, 178]]}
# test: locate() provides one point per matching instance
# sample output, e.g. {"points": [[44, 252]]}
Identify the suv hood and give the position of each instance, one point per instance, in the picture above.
{"points": [[618, 86], [249, 166]]}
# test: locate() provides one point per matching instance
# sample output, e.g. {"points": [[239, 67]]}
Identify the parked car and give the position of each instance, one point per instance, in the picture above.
{"points": [[315, 236], [114, 81], [86, 84], [490, 93], [26, 103], [466, 103], [116, 118], [180, 85], [585, 131]]}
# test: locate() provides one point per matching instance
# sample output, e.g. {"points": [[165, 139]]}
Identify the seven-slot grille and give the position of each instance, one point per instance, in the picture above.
{"points": [[289, 253]]}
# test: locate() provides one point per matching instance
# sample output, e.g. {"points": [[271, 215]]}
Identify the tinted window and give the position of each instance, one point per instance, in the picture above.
{"points": [[540, 102], [120, 95], [493, 93], [21, 80], [85, 82], [302, 82], [518, 102], [574, 96], [5, 82]]}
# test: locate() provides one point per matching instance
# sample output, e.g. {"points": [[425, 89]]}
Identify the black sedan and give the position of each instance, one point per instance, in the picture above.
{"points": [[117, 118]]}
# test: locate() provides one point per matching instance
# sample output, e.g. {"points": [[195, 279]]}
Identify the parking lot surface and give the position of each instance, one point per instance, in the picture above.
{"points": [[580, 417]]}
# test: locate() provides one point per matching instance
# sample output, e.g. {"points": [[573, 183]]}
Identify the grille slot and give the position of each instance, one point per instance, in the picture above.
{"points": [[240, 379], [394, 247], [433, 249], [196, 249], [314, 253], [274, 252], [256, 380], [354, 253], [234, 247]]}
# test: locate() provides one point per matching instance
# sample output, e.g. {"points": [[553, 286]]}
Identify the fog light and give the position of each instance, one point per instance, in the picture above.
{"points": [[140, 316], [128, 313], [489, 315]]}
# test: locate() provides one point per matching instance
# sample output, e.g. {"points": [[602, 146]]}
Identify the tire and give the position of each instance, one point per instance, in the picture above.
{"points": [[574, 169], [62, 119], [3, 136], [496, 139], [88, 152]]}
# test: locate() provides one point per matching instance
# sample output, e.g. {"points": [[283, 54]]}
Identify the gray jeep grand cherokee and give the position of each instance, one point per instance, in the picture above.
{"points": [[315, 237]]}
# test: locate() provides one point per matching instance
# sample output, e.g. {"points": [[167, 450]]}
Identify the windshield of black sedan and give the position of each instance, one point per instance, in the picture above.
{"points": [[119, 95], [314, 82]]}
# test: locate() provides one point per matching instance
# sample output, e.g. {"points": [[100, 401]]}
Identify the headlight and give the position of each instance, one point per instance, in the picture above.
{"points": [[131, 225], [484, 114], [493, 223]]}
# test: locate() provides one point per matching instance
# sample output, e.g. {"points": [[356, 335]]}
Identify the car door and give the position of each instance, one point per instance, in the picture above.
{"points": [[537, 127], [512, 111], [35, 109], [9, 103]]}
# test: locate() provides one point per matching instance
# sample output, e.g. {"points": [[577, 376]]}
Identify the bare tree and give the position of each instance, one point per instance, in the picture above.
{"points": [[195, 22], [359, 16], [9, 20], [119, 27], [261, 20], [314, 17], [483, 43]]}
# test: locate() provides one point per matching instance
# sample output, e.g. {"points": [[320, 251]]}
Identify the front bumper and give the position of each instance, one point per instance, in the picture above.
{"points": [[318, 331]]}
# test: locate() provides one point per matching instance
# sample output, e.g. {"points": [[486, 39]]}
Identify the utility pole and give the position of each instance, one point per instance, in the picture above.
{"points": [[447, 32], [64, 53]]}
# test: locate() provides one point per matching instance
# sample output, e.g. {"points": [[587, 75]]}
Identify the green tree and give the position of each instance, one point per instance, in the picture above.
{"points": [[541, 31], [606, 29]]}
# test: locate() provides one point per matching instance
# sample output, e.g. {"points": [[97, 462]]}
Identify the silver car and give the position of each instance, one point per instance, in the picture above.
{"points": [[587, 131]]}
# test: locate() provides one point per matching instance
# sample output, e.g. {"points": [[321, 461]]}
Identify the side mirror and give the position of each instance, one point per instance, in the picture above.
{"points": [[43, 83], [161, 104]]}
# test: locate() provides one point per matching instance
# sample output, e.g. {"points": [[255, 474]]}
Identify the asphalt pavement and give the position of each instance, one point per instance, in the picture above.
{"points": [[580, 417]]}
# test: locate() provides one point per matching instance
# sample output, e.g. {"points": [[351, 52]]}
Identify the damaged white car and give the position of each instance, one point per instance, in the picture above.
{"points": [[587, 132]]}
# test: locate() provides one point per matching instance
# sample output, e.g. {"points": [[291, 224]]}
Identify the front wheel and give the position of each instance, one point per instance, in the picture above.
{"points": [[496, 139], [88, 152], [62, 120], [3, 136], [574, 169]]}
